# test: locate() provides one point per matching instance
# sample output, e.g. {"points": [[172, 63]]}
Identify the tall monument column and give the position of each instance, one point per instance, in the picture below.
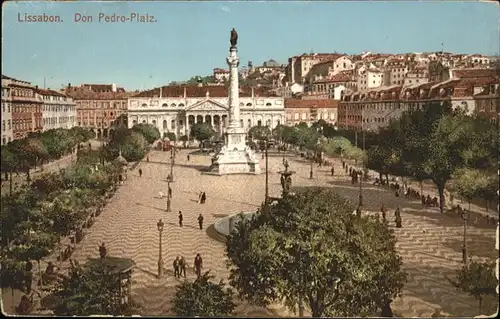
{"points": [[233, 62], [234, 157]]}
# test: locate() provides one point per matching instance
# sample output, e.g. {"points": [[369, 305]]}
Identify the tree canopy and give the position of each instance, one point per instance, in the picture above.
{"points": [[437, 143], [312, 246], [259, 132], [204, 298], [202, 131], [148, 131]]}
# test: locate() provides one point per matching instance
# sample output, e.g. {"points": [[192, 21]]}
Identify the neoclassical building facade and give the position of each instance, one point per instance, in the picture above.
{"points": [[176, 108]]}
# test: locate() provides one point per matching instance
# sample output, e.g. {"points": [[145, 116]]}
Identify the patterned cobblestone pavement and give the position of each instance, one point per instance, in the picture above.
{"points": [[429, 242]]}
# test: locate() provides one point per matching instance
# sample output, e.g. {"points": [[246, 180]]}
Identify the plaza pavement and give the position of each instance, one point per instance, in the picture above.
{"points": [[429, 242]]}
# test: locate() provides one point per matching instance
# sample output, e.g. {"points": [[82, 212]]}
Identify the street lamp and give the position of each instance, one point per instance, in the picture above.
{"points": [[465, 217], [362, 173], [172, 163], [169, 198], [160, 225], [267, 174]]}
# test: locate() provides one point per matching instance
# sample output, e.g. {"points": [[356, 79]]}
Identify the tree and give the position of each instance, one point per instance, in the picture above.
{"points": [[203, 298], [171, 136], [202, 132], [259, 132], [13, 276], [150, 132], [477, 279], [311, 247], [469, 183], [88, 291]]}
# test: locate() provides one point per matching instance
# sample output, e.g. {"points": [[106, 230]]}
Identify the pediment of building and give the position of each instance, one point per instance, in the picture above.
{"points": [[207, 105]]}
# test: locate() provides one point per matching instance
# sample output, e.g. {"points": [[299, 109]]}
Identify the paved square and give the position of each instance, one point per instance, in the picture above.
{"points": [[429, 242]]}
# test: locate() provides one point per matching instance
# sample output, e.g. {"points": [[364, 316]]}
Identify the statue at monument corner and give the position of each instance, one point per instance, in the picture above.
{"points": [[234, 38]]}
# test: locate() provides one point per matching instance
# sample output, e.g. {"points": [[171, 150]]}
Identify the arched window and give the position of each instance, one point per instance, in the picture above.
{"points": [[249, 104], [165, 124], [268, 104], [164, 105], [143, 121], [154, 123], [259, 123], [181, 105], [144, 105], [241, 104], [172, 105], [172, 124]]}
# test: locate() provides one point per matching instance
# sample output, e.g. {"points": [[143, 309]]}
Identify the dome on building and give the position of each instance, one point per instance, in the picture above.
{"points": [[271, 63]]}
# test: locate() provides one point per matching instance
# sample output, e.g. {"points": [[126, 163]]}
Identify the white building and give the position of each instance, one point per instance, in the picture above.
{"points": [[369, 79], [176, 108], [6, 124], [58, 110]]}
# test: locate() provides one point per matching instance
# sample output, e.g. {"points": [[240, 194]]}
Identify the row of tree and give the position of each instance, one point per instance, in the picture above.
{"points": [[26, 153], [133, 143], [36, 217], [443, 145]]}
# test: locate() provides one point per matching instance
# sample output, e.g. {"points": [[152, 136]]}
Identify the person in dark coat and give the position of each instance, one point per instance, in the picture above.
{"points": [[180, 218], [102, 251], [177, 273], [198, 265], [200, 221], [333, 170], [183, 266], [169, 192], [188, 157], [383, 211], [140, 172]]}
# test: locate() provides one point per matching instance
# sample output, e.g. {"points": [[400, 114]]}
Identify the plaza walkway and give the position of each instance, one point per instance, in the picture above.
{"points": [[429, 242]]}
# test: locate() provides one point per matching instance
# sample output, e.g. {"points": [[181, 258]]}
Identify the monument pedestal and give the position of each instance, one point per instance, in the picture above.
{"points": [[235, 157]]}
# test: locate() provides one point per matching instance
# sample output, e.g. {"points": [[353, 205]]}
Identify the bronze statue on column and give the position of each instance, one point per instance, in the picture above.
{"points": [[234, 38]]}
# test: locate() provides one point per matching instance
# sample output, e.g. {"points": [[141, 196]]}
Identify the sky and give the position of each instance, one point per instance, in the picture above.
{"points": [[192, 38]]}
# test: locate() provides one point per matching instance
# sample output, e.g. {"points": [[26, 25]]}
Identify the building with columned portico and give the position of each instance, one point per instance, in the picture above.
{"points": [[175, 108]]}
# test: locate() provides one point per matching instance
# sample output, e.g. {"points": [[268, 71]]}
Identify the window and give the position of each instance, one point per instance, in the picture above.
{"points": [[181, 104], [296, 116], [172, 124], [9, 124], [3, 125], [268, 104], [172, 105], [144, 105], [4, 141]]}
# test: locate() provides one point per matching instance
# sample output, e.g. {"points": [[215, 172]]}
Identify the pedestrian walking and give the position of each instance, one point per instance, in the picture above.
{"points": [[198, 265], [398, 221], [169, 192], [188, 157], [383, 211], [333, 170], [102, 251], [183, 266], [177, 273], [147, 159], [180, 218], [200, 221], [140, 172]]}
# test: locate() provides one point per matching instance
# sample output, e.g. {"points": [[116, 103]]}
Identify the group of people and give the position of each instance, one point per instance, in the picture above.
{"points": [[180, 266], [397, 216], [200, 220], [355, 174]]}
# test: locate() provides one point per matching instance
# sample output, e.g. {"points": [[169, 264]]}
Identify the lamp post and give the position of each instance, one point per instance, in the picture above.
{"points": [[362, 173], [267, 174], [465, 217], [172, 163], [160, 225], [169, 199]]}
